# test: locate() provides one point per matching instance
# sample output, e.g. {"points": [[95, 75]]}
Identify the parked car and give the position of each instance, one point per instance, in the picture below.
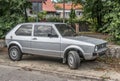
{"points": [[54, 40]]}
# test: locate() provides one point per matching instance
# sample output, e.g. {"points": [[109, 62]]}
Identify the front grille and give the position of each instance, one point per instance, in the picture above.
{"points": [[94, 54], [101, 46]]}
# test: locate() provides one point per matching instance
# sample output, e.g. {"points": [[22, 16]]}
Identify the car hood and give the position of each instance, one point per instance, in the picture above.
{"points": [[88, 39]]}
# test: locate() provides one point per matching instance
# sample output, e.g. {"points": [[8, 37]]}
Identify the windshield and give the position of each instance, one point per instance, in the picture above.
{"points": [[65, 30]]}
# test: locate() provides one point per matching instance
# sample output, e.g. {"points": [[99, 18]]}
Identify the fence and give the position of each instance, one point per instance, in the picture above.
{"points": [[2, 43], [81, 27], [84, 27]]}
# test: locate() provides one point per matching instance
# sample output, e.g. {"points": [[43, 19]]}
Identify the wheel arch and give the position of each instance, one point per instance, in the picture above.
{"points": [[14, 43], [74, 48]]}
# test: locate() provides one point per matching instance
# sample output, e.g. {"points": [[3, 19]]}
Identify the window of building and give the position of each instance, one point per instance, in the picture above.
{"points": [[36, 7]]}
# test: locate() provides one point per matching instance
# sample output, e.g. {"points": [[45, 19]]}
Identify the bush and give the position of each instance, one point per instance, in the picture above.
{"points": [[12, 12], [6, 24], [42, 15], [112, 20], [72, 16], [56, 19], [31, 19]]}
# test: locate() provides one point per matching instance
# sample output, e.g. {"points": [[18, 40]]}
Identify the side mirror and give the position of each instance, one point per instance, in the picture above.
{"points": [[50, 35]]}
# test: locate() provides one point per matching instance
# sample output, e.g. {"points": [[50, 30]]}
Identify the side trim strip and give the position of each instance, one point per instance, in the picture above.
{"points": [[43, 50]]}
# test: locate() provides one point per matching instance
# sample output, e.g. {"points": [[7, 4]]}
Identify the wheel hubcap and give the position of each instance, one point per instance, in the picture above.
{"points": [[70, 60], [14, 53]]}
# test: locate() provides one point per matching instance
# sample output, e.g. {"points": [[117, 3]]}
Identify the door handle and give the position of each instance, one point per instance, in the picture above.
{"points": [[34, 39]]}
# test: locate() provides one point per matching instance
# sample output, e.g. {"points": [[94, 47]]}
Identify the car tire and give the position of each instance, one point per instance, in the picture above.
{"points": [[73, 60], [15, 53], [94, 59]]}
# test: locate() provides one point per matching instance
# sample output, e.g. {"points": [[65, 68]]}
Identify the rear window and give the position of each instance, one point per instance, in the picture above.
{"points": [[24, 30]]}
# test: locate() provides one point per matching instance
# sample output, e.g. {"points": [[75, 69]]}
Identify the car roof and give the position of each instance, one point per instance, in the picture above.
{"points": [[43, 23]]}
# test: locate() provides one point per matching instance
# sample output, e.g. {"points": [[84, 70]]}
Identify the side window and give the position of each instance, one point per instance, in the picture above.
{"points": [[43, 31], [24, 30]]}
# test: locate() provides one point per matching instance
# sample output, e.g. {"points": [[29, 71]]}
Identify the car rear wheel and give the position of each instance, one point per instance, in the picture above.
{"points": [[15, 53], [73, 60]]}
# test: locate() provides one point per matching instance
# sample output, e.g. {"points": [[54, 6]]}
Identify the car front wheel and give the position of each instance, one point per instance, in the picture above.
{"points": [[73, 60], [15, 53]]}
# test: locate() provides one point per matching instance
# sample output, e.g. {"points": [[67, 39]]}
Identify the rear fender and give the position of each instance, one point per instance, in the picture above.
{"points": [[15, 43]]}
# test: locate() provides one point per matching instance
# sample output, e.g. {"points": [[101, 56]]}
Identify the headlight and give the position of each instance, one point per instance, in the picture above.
{"points": [[96, 48]]}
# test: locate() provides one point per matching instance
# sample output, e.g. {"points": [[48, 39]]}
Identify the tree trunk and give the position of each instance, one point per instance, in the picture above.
{"points": [[63, 11], [26, 16], [77, 27]]}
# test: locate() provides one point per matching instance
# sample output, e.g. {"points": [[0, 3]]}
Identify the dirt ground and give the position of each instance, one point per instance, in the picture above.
{"points": [[103, 68], [92, 69]]}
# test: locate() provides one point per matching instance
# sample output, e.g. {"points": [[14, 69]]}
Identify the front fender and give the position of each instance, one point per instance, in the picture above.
{"points": [[73, 47]]}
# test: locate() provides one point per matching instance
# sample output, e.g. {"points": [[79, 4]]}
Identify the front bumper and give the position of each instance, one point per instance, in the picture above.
{"points": [[100, 52], [91, 56]]}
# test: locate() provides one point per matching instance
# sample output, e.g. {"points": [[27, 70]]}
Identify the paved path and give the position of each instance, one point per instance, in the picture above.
{"points": [[88, 71], [9, 73]]}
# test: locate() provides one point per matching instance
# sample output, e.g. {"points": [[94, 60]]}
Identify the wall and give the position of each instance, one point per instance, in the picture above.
{"points": [[113, 51]]}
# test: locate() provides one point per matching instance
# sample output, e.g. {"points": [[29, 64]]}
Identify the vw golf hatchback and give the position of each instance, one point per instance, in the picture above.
{"points": [[53, 40]]}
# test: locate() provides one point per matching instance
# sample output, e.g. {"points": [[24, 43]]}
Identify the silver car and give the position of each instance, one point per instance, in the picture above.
{"points": [[54, 40]]}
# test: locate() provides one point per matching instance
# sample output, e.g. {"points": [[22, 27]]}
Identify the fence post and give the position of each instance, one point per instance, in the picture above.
{"points": [[2, 44], [77, 27]]}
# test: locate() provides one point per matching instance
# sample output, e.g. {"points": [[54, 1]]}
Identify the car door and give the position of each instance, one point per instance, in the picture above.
{"points": [[23, 36], [45, 41]]}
